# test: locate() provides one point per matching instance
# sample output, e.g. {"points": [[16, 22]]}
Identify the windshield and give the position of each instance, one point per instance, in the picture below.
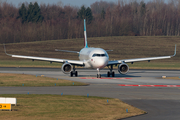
{"points": [[99, 55]]}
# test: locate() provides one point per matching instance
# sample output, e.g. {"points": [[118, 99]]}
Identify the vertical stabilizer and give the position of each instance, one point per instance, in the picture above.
{"points": [[85, 35]]}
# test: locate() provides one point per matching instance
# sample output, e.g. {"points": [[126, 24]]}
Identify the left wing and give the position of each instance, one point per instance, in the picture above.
{"points": [[73, 62], [140, 59]]}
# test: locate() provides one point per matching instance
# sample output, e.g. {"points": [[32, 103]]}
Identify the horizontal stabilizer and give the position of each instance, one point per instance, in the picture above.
{"points": [[67, 51], [109, 50]]}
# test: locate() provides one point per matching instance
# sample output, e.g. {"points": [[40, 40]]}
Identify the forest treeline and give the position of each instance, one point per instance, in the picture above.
{"points": [[33, 22]]}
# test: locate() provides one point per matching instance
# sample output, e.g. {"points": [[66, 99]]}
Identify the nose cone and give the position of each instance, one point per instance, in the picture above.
{"points": [[100, 62]]}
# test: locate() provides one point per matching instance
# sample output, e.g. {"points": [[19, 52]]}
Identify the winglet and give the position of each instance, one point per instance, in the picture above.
{"points": [[5, 50], [174, 52], [85, 35]]}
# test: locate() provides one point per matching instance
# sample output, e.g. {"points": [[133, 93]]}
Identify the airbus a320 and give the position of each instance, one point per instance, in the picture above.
{"points": [[89, 57]]}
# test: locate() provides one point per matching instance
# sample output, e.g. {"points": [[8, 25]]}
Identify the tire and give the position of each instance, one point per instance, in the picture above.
{"points": [[98, 75], [76, 73], [108, 74], [113, 74], [71, 74]]}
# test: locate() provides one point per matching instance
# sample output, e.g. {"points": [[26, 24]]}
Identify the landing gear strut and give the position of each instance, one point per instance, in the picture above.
{"points": [[109, 73], [98, 75], [74, 72]]}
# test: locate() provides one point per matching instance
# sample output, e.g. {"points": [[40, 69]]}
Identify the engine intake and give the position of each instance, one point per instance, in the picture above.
{"points": [[123, 68], [66, 68]]}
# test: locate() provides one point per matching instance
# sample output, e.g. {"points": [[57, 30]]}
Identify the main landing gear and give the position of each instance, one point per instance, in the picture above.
{"points": [[74, 72], [111, 73]]}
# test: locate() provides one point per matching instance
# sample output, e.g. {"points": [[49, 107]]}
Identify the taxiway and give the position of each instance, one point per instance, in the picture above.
{"points": [[160, 102]]}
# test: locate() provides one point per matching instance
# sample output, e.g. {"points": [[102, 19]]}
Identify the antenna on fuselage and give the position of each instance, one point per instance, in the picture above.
{"points": [[85, 35]]}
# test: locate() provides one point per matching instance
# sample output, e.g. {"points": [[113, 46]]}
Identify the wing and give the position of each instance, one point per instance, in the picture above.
{"points": [[73, 62], [140, 59]]}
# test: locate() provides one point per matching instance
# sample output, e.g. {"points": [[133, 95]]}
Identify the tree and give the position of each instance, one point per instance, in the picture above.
{"points": [[89, 16], [37, 14], [84, 13], [34, 13], [30, 12], [23, 13], [103, 13], [143, 8]]}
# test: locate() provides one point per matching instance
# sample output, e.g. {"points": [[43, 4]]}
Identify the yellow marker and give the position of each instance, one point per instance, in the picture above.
{"points": [[5, 106]]}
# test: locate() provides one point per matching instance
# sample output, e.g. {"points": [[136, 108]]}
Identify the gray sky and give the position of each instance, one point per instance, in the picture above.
{"points": [[78, 3]]}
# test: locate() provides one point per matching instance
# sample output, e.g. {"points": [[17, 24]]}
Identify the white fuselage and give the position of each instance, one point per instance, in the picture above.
{"points": [[94, 57]]}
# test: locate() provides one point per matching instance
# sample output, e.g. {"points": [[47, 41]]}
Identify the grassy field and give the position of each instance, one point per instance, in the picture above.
{"points": [[33, 81], [49, 107], [124, 47]]}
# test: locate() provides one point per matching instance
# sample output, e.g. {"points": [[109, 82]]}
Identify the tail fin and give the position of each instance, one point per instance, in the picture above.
{"points": [[85, 35]]}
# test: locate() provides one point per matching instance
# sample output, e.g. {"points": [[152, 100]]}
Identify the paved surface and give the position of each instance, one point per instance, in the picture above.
{"points": [[160, 103]]}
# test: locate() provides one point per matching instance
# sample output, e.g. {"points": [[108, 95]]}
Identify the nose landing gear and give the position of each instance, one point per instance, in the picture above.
{"points": [[98, 75]]}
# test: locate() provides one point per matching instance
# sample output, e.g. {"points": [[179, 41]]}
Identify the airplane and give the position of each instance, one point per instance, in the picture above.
{"points": [[89, 57]]}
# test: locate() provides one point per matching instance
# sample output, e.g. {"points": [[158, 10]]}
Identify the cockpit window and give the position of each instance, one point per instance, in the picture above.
{"points": [[99, 55]]}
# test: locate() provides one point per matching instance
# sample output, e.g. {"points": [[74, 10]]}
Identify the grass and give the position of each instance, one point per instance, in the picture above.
{"points": [[124, 47], [33, 81], [67, 108]]}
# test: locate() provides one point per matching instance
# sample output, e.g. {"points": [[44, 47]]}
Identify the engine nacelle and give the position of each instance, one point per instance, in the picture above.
{"points": [[66, 68], [123, 68]]}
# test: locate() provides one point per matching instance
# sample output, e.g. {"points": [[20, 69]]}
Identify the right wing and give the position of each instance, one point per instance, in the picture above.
{"points": [[73, 62]]}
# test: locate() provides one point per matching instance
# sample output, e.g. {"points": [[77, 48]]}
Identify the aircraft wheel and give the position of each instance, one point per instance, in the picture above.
{"points": [[76, 73], [98, 75], [113, 74], [71, 74], [108, 74]]}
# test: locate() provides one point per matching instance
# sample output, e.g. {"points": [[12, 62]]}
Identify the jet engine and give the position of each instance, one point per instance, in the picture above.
{"points": [[123, 68], [66, 68]]}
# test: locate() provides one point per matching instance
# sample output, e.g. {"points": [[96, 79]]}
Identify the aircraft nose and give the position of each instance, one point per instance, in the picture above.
{"points": [[100, 63]]}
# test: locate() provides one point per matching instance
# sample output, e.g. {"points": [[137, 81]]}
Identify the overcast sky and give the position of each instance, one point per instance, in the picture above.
{"points": [[78, 3]]}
